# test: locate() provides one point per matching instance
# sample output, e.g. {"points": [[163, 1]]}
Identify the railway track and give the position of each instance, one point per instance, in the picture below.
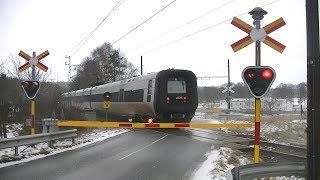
{"points": [[269, 151]]}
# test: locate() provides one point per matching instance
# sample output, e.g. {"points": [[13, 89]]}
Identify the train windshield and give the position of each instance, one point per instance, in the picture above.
{"points": [[176, 86]]}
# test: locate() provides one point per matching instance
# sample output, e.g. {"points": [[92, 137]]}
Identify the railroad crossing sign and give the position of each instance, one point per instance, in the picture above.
{"points": [[228, 89], [258, 35], [33, 61], [106, 105]]}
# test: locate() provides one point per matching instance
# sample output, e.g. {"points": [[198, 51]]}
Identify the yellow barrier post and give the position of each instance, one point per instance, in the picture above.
{"points": [[257, 130]]}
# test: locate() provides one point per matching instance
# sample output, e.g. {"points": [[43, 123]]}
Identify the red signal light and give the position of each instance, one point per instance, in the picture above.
{"points": [[168, 98], [266, 74]]}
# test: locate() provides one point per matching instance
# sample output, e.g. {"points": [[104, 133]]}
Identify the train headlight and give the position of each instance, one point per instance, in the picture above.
{"points": [[150, 120], [107, 96]]}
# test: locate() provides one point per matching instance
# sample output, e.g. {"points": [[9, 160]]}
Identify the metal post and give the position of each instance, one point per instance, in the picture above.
{"points": [[141, 66], [69, 69], [313, 107], [16, 151], [4, 130], [257, 14], [229, 99], [1, 136], [34, 55], [32, 116], [257, 130]]}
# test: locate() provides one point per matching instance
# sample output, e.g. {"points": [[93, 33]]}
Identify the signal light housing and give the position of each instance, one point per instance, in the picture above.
{"points": [[258, 79], [107, 96], [31, 88]]}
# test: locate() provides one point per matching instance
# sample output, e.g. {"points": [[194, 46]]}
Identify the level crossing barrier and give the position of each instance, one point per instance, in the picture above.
{"points": [[71, 123]]}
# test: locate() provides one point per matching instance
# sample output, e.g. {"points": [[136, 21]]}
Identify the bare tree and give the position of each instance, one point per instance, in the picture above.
{"points": [[88, 74], [104, 65], [283, 91], [301, 91], [270, 105], [2, 66]]}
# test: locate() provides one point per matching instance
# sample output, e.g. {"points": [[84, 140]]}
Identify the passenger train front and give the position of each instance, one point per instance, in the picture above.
{"points": [[166, 96]]}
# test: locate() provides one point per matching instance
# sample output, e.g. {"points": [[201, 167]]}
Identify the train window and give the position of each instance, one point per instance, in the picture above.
{"points": [[176, 86], [149, 91]]}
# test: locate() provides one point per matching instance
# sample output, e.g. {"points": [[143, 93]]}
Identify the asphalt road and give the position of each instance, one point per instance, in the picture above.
{"points": [[139, 154]]}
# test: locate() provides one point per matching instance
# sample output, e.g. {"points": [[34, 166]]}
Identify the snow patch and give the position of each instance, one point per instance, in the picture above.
{"points": [[42, 150]]}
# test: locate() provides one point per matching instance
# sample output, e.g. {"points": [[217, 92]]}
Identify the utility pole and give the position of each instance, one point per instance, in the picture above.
{"points": [[313, 108], [69, 69], [141, 66]]}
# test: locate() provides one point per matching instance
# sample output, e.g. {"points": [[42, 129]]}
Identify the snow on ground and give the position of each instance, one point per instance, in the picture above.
{"points": [[273, 129], [41, 150], [218, 161], [13, 129], [217, 164]]}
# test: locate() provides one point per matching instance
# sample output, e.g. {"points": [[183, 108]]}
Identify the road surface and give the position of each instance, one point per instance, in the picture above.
{"points": [[138, 154]]}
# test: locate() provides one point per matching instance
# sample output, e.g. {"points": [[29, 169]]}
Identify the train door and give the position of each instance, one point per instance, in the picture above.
{"points": [[149, 91]]}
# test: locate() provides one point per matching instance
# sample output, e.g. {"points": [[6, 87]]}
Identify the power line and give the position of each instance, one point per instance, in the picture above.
{"points": [[187, 23], [83, 41], [201, 30], [143, 22]]}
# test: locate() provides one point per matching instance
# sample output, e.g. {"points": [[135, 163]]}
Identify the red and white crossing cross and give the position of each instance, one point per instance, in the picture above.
{"points": [[33, 61], [258, 35]]}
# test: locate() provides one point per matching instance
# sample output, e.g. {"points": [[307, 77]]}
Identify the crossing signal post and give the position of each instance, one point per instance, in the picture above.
{"points": [[258, 79], [31, 87]]}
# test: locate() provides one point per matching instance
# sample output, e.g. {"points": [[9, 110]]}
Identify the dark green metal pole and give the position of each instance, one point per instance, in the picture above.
{"points": [[313, 121]]}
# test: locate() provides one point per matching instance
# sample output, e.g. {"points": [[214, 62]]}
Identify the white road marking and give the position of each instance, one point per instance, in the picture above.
{"points": [[143, 147]]}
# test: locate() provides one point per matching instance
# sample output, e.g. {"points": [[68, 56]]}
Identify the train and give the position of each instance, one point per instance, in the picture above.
{"points": [[165, 96]]}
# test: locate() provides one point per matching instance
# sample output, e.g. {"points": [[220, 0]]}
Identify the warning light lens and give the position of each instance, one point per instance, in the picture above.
{"points": [[250, 74], [168, 98], [266, 74], [150, 120]]}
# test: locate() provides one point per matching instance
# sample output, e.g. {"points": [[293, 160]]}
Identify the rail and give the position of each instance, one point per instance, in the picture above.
{"points": [[272, 169], [37, 138]]}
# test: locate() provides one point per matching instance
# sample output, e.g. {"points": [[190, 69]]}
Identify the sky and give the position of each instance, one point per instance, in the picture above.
{"points": [[167, 40]]}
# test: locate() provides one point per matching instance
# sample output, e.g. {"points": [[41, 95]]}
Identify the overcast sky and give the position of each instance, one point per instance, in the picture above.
{"points": [[59, 25]]}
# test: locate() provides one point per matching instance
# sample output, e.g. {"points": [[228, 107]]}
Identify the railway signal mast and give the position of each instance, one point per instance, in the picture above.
{"points": [[31, 87], [258, 78]]}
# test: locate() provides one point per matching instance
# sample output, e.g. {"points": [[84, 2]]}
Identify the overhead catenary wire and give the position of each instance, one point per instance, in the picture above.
{"points": [[201, 30], [84, 40], [143, 22], [187, 23]]}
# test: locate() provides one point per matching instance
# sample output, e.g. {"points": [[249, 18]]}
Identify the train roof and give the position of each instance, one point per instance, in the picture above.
{"points": [[124, 81]]}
